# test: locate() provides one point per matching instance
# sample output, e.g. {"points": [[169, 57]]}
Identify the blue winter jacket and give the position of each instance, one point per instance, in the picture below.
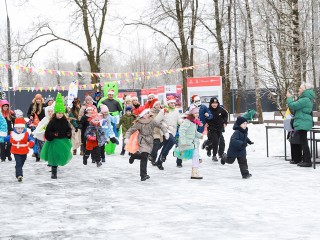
{"points": [[202, 110], [238, 142]]}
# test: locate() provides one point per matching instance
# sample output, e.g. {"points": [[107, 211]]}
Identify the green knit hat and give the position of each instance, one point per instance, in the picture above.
{"points": [[59, 104]]}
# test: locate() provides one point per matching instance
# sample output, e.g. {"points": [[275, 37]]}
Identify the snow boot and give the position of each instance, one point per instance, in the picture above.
{"points": [[194, 174], [223, 158], [103, 160], [214, 158], [305, 164], [246, 176], [54, 172], [159, 165], [99, 164], [20, 178], [143, 178], [74, 152]]}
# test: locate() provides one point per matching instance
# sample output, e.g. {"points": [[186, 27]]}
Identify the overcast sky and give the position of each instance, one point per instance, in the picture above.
{"points": [[22, 17]]}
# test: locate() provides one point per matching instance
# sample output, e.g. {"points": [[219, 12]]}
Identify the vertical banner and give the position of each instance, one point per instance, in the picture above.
{"points": [[73, 92]]}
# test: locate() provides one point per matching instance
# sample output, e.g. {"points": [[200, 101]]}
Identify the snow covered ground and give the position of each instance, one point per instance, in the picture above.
{"points": [[280, 201]]}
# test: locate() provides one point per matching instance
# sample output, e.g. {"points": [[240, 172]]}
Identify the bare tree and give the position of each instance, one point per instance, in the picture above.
{"points": [[91, 17]]}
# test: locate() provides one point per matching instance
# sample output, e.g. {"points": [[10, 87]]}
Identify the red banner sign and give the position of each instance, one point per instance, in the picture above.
{"points": [[204, 81]]}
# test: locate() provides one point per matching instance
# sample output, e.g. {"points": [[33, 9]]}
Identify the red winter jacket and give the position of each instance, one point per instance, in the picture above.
{"points": [[20, 143]]}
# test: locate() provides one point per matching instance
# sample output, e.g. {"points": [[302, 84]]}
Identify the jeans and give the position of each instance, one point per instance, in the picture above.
{"points": [[167, 145], [20, 159]]}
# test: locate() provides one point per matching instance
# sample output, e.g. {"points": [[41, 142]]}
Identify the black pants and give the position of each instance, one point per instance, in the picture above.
{"points": [[222, 145], [213, 142], [296, 152], [157, 145], [306, 155], [243, 165], [5, 150], [102, 152], [95, 154], [143, 163]]}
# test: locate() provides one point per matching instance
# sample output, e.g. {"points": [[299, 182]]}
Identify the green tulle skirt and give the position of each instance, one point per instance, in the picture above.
{"points": [[57, 152]]}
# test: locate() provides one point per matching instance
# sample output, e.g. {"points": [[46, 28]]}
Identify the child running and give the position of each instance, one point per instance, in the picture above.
{"points": [[57, 149], [189, 139], [21, 142], [237, 147], [145, 125]]}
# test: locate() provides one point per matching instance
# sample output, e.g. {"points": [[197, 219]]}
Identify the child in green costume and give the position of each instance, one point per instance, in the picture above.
{"points": [[57, 149]]}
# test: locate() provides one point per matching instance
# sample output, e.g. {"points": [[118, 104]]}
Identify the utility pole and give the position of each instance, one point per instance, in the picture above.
{"points": [[9, 53]]}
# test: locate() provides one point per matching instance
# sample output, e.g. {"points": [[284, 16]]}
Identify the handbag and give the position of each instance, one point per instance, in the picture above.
{"points": [[133, 145], [294, 137]]}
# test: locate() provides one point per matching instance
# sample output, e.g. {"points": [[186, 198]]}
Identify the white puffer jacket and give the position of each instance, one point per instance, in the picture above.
{"points": [[170, 119]]}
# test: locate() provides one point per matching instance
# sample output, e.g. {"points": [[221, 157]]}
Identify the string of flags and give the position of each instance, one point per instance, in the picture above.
{"points": [[121, 78]]}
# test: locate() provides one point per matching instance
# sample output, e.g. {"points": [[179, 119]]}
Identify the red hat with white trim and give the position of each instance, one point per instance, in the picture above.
{"points": [[19, 122], [171, 99], [110, 92]]}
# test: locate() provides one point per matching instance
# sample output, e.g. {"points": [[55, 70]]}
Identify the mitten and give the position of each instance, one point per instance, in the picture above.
{"points": [[92, 138], [249, 142], [76, 129], [31, 144], [167, 136], [56, 134], [126, 141], [68, 134]]}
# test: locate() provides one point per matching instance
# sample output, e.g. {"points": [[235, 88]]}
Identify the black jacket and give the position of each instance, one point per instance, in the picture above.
{"points": [[60, 127], [238, 142], [40, 115], [220, 117]]}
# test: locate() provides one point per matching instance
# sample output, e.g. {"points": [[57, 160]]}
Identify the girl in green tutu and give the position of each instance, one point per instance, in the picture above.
{"points": [[57, 149]]}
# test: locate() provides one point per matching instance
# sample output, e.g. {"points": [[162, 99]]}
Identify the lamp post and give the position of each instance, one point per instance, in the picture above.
{"points": [[9, 53], [193, 46]]}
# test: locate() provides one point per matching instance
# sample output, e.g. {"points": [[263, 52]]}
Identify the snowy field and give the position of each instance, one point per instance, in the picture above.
{"points": [[280, 201]]}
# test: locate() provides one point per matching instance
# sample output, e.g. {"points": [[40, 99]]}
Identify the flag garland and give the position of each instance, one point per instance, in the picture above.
{"points": [[122, 77]]}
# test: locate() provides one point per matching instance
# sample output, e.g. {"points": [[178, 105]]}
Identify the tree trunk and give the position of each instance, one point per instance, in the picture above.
{"points": [[296, 49], [255, 65], [227, 79]]}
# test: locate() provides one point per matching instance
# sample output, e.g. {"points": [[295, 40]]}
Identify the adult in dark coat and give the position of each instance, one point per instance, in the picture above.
{"points": [[216, 126]]}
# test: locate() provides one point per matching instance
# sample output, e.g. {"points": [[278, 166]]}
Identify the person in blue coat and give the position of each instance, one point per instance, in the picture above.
{"points": [[204, 112], [237, 147]]}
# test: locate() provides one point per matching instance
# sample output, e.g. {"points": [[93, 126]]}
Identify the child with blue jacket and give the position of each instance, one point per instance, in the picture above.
{"points": [[237, 147]]}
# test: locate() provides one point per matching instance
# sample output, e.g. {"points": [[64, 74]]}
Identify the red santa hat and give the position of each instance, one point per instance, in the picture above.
{"points": [[171, 99], [110, 92], [144, 112], [19, 122], [154, 101], [193, 97]]}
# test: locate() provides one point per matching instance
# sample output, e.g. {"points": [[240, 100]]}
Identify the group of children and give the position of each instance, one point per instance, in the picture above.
{"points": [[155, 127]]}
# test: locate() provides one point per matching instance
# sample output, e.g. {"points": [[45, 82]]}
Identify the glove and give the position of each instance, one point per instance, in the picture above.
{"points": [[30, 144], [56, 134], [114, 140], [92, 138], [126, 141], [76, 130], [167, 136], [250, 143], [68, 134]]}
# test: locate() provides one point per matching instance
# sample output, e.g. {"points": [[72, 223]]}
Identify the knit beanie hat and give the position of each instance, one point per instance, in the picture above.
{"points": [[59, 106], [104, 108], [241, 120], [88, 98], [129, 108], [19, 122], [193, 109]]}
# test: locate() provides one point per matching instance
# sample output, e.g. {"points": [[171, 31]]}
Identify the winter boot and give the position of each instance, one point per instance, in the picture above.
{"points": [[93, 161], [214, 158], [54, 172], [99, 164], [159, 165], [204, 144], [122, 152], [74, 151], [10, 158], [208, 152], [305, 164], [37, 157], [153, 162], [223, 158], [143, 178], [194, 174], [246, 176], [103, 160], [20, 178]]}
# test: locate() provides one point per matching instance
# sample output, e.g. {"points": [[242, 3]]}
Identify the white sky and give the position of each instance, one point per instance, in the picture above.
{"points": [[22, 16]]}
